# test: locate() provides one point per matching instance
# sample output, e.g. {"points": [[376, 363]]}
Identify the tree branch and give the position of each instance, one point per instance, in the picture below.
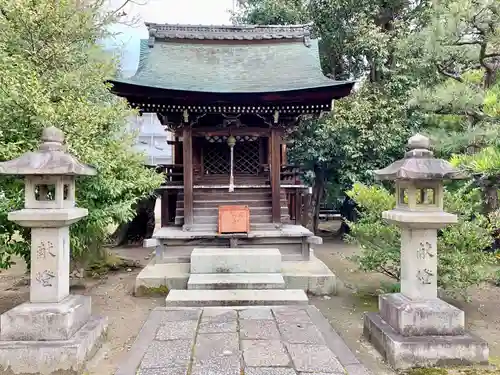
{"points": [[454, 76]]}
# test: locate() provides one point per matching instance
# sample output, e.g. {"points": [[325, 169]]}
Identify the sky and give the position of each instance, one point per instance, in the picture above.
{"points": [[127, 38]]}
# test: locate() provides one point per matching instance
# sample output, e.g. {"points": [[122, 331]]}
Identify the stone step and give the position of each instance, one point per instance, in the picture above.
{"points": [[236, 297], [222, 194], [225, 202], [214, 219], [214, 227], [214, 210], [237, 260], [218, 281]]}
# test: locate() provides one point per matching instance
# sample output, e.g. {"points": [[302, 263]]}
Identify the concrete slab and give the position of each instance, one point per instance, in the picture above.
{"points": [[311, 276], [255, 348], [238, 260], [236, 281], [239, 297]]}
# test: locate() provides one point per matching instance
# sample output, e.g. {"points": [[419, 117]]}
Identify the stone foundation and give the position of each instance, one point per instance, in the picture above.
{"points": [[60, 357], [403, 352]]}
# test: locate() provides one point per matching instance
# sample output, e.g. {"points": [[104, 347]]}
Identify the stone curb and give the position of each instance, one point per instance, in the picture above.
{"points": [[337, 344], [141, 344]]}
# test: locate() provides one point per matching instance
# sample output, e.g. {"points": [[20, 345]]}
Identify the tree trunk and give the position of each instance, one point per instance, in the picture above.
{"points": [[490, 197], [318, 192]]}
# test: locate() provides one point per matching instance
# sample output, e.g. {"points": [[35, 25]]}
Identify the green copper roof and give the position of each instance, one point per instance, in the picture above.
{"points": [[229, 59]]}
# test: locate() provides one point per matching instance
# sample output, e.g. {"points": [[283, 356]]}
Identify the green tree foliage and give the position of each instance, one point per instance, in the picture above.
{"points": [[271, 12], [461, 101], [359, 40], [462, 261], [53, 73]]}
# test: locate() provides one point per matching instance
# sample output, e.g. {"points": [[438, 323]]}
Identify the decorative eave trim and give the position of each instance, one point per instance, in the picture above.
{"points": [[151, 107], [228, 32]]}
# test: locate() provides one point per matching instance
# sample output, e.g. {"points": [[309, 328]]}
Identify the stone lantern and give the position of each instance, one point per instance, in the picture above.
{"points": [[415, 328], [54, 331]]}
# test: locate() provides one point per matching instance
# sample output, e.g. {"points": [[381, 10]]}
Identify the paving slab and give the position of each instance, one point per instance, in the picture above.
{"points": [[253, 340]]}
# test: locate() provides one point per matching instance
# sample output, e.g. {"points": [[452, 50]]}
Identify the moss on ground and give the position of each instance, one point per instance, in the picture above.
{"points": [[367, 301], [153, 291], [456, 371]]}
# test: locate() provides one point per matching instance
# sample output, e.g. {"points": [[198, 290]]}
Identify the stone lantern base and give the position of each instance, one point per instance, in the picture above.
{"points": [[422, 334], [49, 338]]}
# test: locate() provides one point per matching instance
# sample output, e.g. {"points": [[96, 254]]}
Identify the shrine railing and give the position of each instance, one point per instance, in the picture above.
{"points": [[174, 174]]}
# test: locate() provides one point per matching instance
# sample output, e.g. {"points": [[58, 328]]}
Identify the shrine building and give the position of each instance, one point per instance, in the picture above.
{"points": [[230, 96]]}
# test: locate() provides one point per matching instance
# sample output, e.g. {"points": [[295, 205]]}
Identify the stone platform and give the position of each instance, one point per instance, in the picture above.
{"points": [[312, 276], [292, 340]]}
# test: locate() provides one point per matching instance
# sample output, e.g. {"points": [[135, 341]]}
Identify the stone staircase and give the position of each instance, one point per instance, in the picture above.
{"points": [[236, 277], [206, 204]]}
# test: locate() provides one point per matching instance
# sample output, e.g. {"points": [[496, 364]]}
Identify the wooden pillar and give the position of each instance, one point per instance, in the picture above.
{"points": [[298, 207], [275, 175], [187, 154], [177, 151], [165, 212], [284, 160]]}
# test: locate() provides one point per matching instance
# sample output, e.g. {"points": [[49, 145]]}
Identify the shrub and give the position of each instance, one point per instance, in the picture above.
{"points": [[54, 73]]}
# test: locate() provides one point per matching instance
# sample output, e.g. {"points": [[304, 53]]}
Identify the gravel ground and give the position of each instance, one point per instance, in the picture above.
{"points": [[112, 297]]}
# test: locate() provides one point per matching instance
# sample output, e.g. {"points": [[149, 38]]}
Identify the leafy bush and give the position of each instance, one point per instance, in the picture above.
{"points": [[54, 73], [462, 261]]}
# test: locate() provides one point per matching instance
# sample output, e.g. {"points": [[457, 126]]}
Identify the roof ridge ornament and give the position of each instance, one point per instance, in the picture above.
{"points": [[152, 36], [228, 32]]}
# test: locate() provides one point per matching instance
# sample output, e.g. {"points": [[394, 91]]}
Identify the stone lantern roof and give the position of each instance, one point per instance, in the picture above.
{"points": [[49, 159], [419, 163]]}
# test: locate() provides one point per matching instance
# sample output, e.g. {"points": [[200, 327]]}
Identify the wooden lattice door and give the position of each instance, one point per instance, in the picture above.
{"points": [[247, 156]]}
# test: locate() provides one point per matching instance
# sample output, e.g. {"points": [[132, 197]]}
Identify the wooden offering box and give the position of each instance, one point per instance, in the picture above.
{"points": [[234, 219]]}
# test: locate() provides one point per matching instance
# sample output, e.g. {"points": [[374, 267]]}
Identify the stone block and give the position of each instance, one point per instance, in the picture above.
{"points": [[177, 330], [210, 348], [178, 315], [402, 352], [174, 353], [259, 329], [259, 313], [226, 365], [150, 243], [421, 318], [315, 240], [270, 371], [163, 371], [219, 315], [241, 297], [236, 281], [239, 260], [314, 358], [312, 276], [320, 285], [65, 357], [292, 315], [264, 353], [207, 327], [46, 321], [298, 333]]}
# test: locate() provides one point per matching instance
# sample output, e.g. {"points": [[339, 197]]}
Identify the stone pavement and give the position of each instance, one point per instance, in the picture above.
{"points": [[285, 340]]}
